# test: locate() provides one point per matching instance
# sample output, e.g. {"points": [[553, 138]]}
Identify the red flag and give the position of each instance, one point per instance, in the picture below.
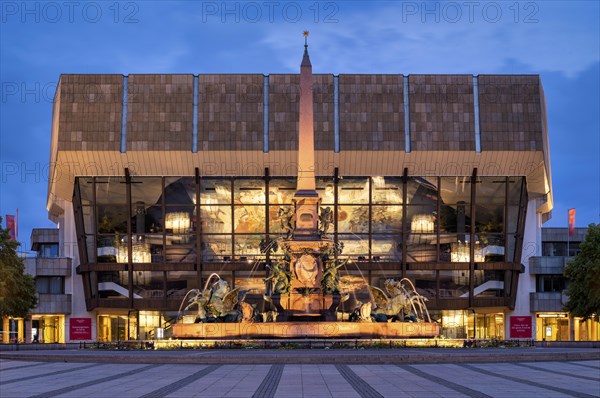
{"points": [[11, 224], [571, 222]]}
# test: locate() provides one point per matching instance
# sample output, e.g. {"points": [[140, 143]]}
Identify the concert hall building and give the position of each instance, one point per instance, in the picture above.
{"points": [[160, 180]]}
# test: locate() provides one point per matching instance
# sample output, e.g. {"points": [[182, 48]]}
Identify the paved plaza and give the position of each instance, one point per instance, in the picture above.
{"points": [[149, 377]]}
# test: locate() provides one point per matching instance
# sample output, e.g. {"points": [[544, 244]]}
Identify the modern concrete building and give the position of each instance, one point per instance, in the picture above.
{"points": [[549, 298], [54, 283], [160, 180], [52, 273]]}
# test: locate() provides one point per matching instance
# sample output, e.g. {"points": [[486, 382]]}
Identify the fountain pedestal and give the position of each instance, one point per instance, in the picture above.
{"points": [[308, 308], [287, 330], [306, 300]]}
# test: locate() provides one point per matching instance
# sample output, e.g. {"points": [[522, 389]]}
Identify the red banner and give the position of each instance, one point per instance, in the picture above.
{"points": [[571, 222], [80, 329], [11, 225], [520, 327]]}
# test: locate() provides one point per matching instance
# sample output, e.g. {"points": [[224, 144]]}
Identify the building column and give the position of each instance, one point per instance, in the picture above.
{"points": [[571, 328], [20, 330], [27, 326], [5, 330], [525, 281]]}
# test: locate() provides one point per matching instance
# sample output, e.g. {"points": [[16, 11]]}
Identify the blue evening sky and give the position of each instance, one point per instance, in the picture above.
{"points": [[40, 40]]}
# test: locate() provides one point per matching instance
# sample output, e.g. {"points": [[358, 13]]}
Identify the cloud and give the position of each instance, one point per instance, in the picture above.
{"points": [[369, 37], [390, 40]]}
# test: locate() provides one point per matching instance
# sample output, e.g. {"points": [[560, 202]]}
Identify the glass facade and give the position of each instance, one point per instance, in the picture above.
{"points": [[465, 324], [586, 330], [12, 330], [154, 238], [50, 284], [47, 250], [550, 283], [552, 327], [48, 329], [558, 326], [560, 249]]}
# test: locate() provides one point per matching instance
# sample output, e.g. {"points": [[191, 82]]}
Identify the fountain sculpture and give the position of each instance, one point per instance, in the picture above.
{"points": [[303, 295]]}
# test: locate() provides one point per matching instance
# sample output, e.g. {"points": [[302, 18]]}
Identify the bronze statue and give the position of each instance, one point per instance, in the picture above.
{"points": [[402, 303], [325, 220], [287, 221], [280, 277], [330, 280], [217, 303]]}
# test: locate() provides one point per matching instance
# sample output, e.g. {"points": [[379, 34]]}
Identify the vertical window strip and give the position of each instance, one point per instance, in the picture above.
{"points": [[266, 114], [195, 117], [476, 102], [124, 114], [406, 116], [336, 113]]}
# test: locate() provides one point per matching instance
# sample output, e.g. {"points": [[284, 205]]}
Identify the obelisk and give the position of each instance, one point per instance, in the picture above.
{"points": [[306, 198]]}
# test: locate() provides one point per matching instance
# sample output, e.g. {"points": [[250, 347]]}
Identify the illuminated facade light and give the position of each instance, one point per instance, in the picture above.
{"points": [[379, 182], [422, 223], [179, 222], [460, 252], [140, 253]]}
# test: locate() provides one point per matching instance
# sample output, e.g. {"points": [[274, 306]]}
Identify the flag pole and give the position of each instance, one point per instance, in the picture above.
{"points": [[568, 230]]}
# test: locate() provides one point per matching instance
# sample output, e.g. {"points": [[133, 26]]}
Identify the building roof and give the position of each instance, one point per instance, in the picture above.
{"points": [[238, 124]]}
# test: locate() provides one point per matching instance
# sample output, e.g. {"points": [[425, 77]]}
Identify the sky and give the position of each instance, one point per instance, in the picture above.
{"points": [[558, 40]]}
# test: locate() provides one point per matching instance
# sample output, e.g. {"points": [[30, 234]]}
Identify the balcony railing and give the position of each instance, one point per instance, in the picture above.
{"points": [[53, 304], [548, 264], [48, 266], [547, 301]]}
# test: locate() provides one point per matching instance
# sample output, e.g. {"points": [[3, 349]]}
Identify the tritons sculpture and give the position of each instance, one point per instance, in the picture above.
{"points": [[404, 304], [216, 302]]}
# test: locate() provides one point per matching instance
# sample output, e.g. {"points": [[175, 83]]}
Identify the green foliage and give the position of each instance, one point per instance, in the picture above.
{"points": [[17, 289], [584, 275]]}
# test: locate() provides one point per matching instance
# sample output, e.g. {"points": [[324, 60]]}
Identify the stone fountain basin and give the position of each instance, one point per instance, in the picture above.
{"points": [[288, 330]]}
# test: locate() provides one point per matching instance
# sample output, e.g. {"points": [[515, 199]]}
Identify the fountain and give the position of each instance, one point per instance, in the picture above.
{"points": [[223, 313], [303, 297]]}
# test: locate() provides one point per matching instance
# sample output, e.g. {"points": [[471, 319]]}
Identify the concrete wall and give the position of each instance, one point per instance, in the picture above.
{"points": [[74, 283], [90, 112], [371, 112], [231, 111], [510, 112], [532, 246], [159, 112], [442, 112]]}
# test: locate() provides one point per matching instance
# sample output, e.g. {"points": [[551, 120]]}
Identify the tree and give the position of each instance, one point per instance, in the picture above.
{"points": [[583, 273], [17, 289]]}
